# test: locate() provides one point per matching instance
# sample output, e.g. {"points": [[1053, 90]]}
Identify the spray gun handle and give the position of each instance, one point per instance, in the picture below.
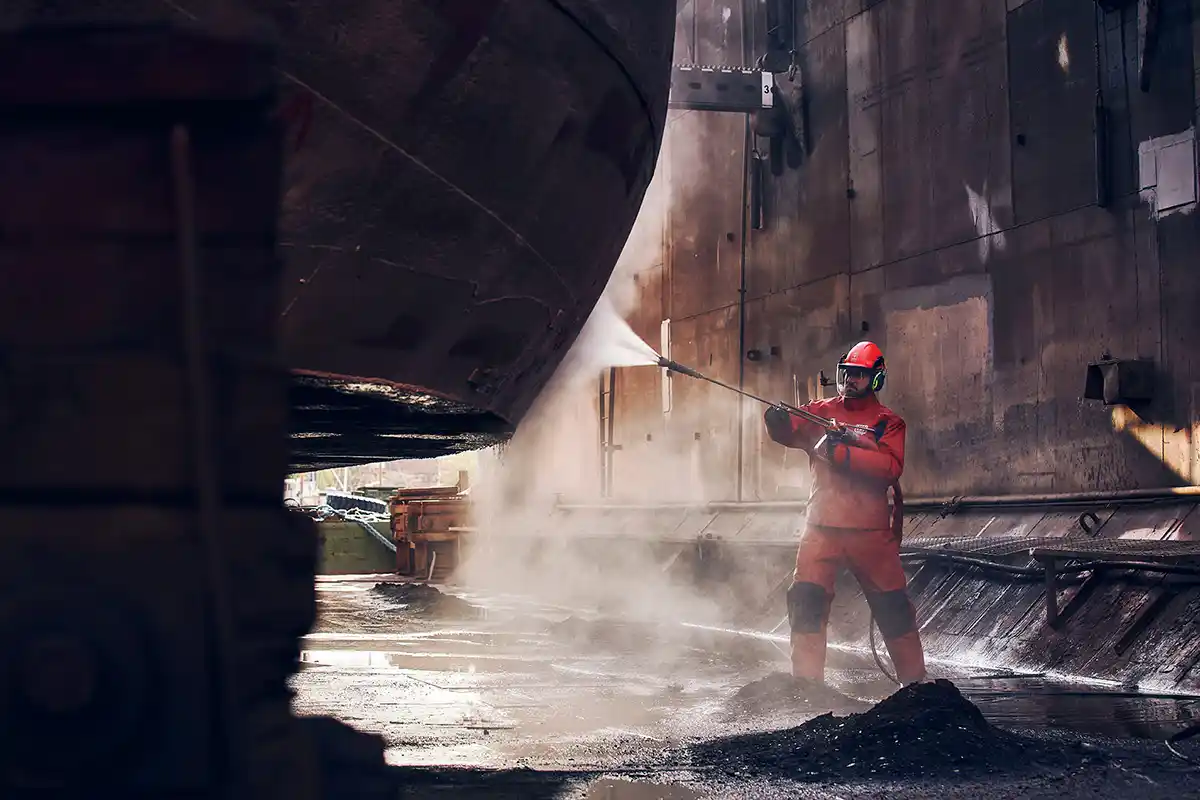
{"points": [[852, 435]]}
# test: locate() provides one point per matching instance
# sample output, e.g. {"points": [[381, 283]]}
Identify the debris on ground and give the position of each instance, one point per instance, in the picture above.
{"points": [[421, 598], [923, 730], [779, 691]]}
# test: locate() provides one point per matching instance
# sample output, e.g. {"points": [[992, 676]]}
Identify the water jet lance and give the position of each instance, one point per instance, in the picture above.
{"points": [[857, 435]]}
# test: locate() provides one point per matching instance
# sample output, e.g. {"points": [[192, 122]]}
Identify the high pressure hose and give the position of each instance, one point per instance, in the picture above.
{"points": [[891, 676], [1186, 733]]}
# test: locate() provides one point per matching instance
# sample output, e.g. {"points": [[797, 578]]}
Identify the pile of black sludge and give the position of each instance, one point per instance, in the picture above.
{"points": [[779, 692], [925, 730], [425, 600]]}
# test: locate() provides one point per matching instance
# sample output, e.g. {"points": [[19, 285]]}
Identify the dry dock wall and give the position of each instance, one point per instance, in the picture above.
{"points": [[949, 209]]}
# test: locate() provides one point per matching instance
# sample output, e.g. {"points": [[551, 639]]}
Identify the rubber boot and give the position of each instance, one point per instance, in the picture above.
{"points": [[808, 656], [908, 656]]}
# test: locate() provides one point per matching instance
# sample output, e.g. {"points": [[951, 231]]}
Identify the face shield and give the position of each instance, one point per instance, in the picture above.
{"points": [[854, 381]]}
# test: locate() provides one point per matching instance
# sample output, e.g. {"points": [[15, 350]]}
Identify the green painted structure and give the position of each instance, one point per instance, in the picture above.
{"points": [[347, 549]]}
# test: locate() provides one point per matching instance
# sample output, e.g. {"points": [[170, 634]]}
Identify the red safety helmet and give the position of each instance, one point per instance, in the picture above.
{"points": [[866, 359]]}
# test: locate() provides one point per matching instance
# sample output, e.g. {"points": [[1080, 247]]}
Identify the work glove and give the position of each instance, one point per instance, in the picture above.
{"points": [[831, 449], [779, 423]]}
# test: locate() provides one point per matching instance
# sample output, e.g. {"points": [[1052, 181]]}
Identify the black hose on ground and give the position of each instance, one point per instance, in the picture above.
{"points": [[891, 676], [1186, 733]]}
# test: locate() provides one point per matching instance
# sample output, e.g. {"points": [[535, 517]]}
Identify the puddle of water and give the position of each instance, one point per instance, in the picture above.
{"points": [[425, 662], [1099, 713]]}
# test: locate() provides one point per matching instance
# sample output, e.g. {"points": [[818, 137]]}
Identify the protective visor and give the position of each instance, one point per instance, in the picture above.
{"points": [[862, 376]]}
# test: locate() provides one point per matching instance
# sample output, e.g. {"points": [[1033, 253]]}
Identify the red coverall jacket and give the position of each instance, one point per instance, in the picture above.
{"points": [[851, 492]]}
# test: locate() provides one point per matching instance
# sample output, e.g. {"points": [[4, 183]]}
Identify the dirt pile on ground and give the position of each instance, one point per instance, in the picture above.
{"points": [[779, 691], [426, 600], [922, 731]]}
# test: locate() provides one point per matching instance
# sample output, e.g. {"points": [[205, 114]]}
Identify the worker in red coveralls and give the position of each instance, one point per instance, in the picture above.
{"points": [[850, 524]]}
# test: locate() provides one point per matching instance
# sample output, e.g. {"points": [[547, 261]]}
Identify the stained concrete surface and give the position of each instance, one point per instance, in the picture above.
{"points": [[505, 697]]}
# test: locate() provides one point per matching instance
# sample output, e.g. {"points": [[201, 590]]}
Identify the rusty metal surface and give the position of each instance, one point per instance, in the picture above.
{"points": [[461, 179], [1053, 166], [705, 224], [949, 212]]}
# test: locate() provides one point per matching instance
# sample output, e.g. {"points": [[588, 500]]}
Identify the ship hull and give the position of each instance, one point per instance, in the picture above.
{"points": [[461, 177]]}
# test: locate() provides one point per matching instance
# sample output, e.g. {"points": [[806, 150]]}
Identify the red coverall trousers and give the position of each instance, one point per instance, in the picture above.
{"points": [[873, 557], [850, 526]]}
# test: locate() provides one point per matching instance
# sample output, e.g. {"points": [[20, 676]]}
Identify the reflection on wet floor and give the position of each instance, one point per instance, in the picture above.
{"points": [[1106, 713], [521, 688]]}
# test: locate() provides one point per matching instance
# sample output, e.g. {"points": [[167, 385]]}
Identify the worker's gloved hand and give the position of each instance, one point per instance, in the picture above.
{"points": [[832, 450], [779, 423]]}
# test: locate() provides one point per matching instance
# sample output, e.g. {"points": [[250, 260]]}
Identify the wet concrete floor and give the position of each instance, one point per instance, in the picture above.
{"points": [[598, 709]]}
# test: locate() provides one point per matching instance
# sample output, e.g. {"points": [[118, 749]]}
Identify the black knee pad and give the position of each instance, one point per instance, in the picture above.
{"points": [[893, 612], [808, 605]]}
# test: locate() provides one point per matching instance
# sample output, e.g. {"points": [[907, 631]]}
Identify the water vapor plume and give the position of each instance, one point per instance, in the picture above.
{"points": [[523, 544], [607, 340]]}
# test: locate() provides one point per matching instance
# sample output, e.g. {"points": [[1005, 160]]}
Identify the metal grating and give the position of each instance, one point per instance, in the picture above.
{"points": [[1065, 547], [1133, 548], [994, 546]]}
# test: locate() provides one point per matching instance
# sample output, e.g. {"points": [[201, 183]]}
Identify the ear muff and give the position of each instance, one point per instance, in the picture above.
{"points": [[880, 375]]}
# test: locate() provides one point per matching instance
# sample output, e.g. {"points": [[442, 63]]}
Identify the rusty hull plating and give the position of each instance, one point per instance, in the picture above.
{"points": [[460, 178]]}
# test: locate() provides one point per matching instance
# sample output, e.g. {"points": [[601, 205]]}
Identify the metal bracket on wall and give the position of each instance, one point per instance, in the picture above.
{"points": [[734, 89]]}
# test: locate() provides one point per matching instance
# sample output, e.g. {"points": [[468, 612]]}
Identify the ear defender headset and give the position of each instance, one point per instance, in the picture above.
{"points": [[866, 355], [880, 375]]}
